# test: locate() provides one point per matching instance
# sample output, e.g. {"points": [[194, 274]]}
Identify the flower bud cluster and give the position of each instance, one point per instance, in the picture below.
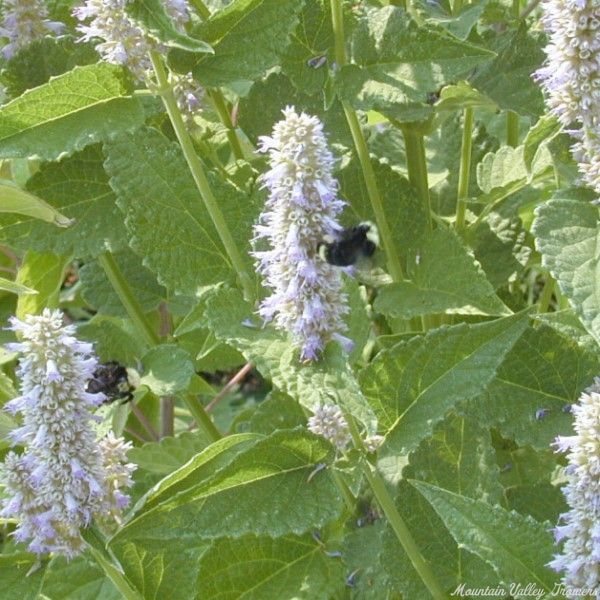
{"points": [[329, 422]]}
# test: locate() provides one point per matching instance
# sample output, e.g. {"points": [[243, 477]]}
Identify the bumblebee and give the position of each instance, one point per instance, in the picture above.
{"points": [[350, 245], [113, 380]]}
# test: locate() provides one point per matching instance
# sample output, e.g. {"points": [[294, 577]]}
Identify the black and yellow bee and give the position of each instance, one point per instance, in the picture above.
{"points": [[350, 245], [113, 380]]}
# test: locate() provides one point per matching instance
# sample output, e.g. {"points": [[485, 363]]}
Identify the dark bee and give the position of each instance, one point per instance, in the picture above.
{"points": [[350, 245], [112, 379]]}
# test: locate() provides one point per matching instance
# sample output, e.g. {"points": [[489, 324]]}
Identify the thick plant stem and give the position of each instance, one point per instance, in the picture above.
{"points": [[512, 128], [393, 260], [349, 499], [417, 167], [201, 417], [201, 8], [167, 417], [546, 296], [403, 534], [197, 171], [129, 301], [465, 170]]}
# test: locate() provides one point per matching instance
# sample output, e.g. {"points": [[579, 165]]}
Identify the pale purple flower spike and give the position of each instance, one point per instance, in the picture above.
{"points": [[65, 476], [23, 22], [306, 292], [125, 43], [580, 526], [570, 77]]}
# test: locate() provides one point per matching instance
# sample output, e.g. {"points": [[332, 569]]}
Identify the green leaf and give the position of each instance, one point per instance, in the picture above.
{"points": [[447, 279], [507, 79], [517, 547], [530, 482], [156, 20], [462, 95], [79, 578], [543, 372], [413, 385], [432, 539], [15, 288], [167, 369], [197, 470], [114, 339], [500, 242], [545, 129], [78, 187], [17, 581], [310, 44], [459, 25], [15, 200], [43, 58], [164, 569], [403, 210], [166, 216], [459, 456], [370, 580], [262, 482], [58, 117], [277, 411], [568, 325], [43, 273], [502, 168], [397, 63], [566, 234], [262, 107], [7, 424], [269, 569], [169, 453], [266, 23], [323, 381], [99, 293]]}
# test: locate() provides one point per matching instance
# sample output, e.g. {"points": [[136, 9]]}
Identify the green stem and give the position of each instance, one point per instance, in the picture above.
{"points": [[362, 150], [512, 128], [416, 165], [129, 301], [402, 532], [337, 20], [345, 491], [220, 106], [201, 8], [97, 549], [546, 296], [167, 417], [464, 170], [201, 417], [386, 502], [197, 171]]}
